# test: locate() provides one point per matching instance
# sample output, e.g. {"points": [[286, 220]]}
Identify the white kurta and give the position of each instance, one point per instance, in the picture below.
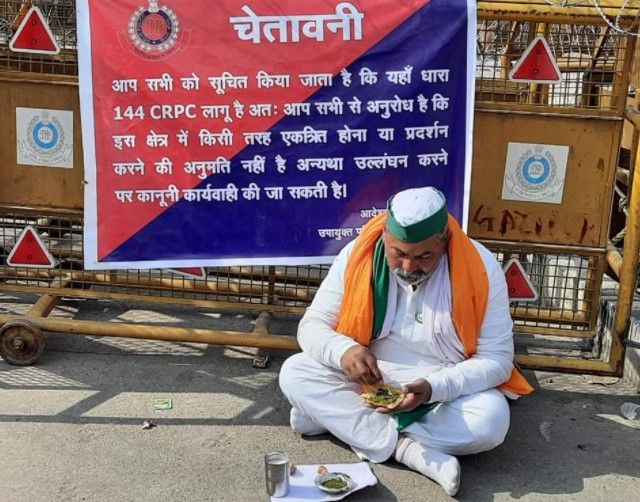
{"points": [[417, 341]]}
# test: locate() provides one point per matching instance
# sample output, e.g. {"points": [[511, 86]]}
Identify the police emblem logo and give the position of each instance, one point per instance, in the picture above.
{"points": [[154, 29], [537, 171], [45, 135]]}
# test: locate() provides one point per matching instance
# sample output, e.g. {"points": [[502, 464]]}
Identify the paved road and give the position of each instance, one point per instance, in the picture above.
{"points": [[70, 427]]}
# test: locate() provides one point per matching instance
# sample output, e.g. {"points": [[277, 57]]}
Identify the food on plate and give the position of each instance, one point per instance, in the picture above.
{"points": [[384, 396], [334, 482]]}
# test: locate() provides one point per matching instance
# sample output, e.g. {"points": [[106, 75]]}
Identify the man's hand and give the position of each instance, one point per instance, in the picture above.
{"points": [[359, 365], [415, 394]]}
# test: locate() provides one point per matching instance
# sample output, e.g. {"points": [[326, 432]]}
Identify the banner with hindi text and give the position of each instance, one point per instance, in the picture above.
{"points": [[247, 132]]}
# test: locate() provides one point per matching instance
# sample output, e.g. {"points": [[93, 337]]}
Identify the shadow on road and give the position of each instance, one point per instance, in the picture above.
{"points": [[586, 438]]}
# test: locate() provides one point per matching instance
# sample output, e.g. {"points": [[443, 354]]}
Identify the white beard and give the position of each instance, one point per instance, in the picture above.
{"points": [[413, 279]]}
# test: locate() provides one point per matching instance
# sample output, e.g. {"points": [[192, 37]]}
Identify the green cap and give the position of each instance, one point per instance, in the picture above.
{"points": [[416, 214]]}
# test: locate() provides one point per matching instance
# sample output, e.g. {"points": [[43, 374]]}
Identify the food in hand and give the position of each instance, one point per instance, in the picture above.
{"points": [[383, 396]]}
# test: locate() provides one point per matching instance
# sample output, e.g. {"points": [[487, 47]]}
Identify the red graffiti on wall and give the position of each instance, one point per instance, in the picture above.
{"points": [[518, 224]]}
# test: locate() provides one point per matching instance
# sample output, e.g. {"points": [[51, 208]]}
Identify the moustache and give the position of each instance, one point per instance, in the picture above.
{"points": [[412, 278]]}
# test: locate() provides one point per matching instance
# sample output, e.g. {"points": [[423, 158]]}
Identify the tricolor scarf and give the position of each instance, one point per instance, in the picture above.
{"points": [[366, 287]]}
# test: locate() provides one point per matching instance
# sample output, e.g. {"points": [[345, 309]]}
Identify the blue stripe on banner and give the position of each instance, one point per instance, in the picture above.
{"points": [[433, 38]]}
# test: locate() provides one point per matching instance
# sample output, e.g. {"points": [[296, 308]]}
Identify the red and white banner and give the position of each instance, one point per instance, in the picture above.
{"points": [[264, 132]]}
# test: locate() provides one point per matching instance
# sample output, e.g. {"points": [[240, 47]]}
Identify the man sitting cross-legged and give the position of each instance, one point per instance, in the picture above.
{"points": [[412, 302]]}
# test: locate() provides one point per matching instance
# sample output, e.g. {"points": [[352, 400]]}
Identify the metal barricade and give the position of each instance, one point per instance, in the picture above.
{"points": [[561, 246]]}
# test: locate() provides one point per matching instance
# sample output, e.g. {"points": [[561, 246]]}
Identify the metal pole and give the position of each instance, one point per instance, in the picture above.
{"points": [[519, 11], [166, 333], [261, 327], [47, 302], [614, 259], [628, 274], [565, 364], [43, 307]]}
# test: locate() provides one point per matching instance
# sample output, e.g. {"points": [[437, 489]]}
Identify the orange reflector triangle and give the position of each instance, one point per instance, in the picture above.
{"points": [[519, 286], [537, 65], [30, 251], [34, 35]]}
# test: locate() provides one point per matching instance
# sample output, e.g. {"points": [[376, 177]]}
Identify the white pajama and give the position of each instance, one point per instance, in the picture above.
{"points": [[417, 341]]}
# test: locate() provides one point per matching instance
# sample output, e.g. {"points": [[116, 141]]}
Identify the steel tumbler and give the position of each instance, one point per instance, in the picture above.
{"points": [[277, 466]]}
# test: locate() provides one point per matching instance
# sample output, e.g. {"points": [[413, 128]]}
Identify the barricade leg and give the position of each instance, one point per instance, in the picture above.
{"points": [[261, 359]]}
